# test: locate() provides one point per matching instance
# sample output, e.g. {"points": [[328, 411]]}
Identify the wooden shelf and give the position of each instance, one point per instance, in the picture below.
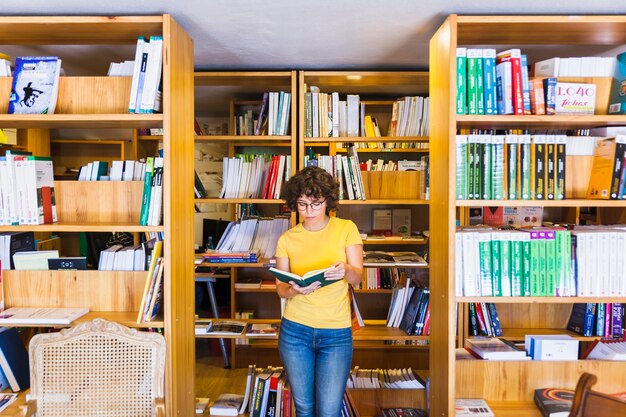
{"points": [[384, 201], [395, 241], [518, 334], [238, 201], [83, 227], [76, 121], [514, 409], [542, 300], [386, 150], [243, 138], [343, 139], [538, 122], [541, 203], [127, 318]]}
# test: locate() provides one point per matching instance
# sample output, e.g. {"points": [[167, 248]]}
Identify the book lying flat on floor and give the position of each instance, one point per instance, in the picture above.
{"points": [[226, 405], [32, 315], [304, 280]]}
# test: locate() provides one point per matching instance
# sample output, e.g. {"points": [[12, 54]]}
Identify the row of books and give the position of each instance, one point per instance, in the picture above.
{"points": [[26, 189], [127, 170], [121, 69], [607, 349], [123, 258], [254, 234], [273, 116], [384, 146], [328, 116], [145, 90], [255, 176], [409, 309], [35, 85], [346, 170], [152, 197], [483, 320], [597, 319], [12, 243], [510, 167], [385, 278], [152, 298], [584, 262], [5, 65], [586, 66], [220, 256], [404, 378]]}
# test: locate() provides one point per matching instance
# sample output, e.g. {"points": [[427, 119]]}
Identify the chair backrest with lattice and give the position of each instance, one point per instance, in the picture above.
{"points": [[97, 368]]}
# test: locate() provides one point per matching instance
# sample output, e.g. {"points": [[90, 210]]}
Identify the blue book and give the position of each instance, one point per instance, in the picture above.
{"points": [[35, 85], [14, 359], [582, 318], [525, 85], [549, 89], [489, 82]]}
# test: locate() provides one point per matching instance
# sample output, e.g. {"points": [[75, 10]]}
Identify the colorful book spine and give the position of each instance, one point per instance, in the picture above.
{"points": [[484, 250], [525, 167], [550, 165], [511, 169], [489, 82], [474, 64], [486, 166], [549, 90], [514, 56], [496, 264], [537, 98], [551, 255], [461, 80], [560, 174], [461, 167], [498, 191], [525, 85], [539, 172]]}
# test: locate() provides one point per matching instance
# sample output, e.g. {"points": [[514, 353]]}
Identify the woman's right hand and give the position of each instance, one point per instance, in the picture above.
{"points": [[305, 290]]}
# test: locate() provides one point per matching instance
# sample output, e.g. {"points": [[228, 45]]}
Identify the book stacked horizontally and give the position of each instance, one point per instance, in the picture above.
{"points": [[607, 349], [496, 349], [221, 256], [554, 402]]}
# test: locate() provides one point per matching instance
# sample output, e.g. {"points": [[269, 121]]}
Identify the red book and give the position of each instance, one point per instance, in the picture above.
{"points": [[287, 400], [515, 57], [482, 326]]}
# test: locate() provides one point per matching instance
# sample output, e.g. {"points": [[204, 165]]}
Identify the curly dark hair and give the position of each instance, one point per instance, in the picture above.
{"points": [[312, 182]]}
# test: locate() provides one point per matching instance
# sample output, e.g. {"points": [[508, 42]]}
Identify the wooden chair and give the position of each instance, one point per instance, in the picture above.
{"points": [[97, 368], [588, 403]]}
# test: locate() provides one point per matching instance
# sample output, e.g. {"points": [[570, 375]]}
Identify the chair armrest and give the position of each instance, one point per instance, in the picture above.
{"points": [[159, 405], [28, 410]]}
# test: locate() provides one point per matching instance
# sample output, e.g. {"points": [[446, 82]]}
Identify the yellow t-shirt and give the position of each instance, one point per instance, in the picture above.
{"points": [[327, 307]]}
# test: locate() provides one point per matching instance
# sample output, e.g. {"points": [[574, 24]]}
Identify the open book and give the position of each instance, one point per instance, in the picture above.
{"points": [[304, 280]]}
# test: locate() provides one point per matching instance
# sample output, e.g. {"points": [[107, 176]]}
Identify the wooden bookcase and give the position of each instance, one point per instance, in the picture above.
{"points": [[507, 386], [220, 96], [100, 102], [384, 190]]}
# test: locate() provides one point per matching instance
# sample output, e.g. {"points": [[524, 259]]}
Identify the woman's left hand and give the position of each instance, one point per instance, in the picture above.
{"points": [[336, 272]]}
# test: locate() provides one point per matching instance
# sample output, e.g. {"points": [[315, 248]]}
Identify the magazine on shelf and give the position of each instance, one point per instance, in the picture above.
{"points": [[35, 85], [49, 315], [262, 330], [226, 327]]}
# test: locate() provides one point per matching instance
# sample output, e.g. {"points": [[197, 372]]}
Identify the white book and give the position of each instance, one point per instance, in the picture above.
{"points": [[132, 102], [34, 260], [475, 407], [129, 170], [547, 68], [335, 115], [153, 75], [33, 315], [353, 115]]}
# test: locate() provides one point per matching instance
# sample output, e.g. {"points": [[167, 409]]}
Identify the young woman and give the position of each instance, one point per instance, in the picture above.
{"points": [[315, 341]]}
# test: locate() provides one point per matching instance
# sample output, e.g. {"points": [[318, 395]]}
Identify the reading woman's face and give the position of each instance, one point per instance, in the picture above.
{"points": [[311, 209]]}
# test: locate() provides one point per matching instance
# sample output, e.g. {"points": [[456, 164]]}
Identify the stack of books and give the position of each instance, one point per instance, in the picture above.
{"points": [[219, 256], [496, 349]]}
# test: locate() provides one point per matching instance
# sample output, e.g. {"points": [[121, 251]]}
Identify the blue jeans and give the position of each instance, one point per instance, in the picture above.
{"points": [[318, 363]]}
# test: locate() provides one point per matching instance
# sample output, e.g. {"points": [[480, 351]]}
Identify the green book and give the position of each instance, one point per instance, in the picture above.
{"points": [[533, 276], [496, 264], [505, 264], [550, 263], [485, 168], [461, 80], [525, 238], [517, 261], [511, 168], [524, 167], [498, 191], [147, 190], [474, 56], [543, 265], [461, 167], [484, 253], [304, 280]]}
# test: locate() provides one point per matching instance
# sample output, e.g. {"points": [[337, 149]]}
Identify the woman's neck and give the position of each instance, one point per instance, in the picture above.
{"points": [[317, 225]]}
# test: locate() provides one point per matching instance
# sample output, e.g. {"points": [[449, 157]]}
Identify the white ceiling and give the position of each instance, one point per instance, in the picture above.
{"points": [[297, 34]]}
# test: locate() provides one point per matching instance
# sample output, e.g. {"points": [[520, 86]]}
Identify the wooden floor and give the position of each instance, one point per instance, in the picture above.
{"points": [[211, 377]]}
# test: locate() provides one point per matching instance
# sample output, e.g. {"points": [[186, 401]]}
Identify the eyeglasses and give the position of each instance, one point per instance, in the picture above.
{"points": [[314, 206]]}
